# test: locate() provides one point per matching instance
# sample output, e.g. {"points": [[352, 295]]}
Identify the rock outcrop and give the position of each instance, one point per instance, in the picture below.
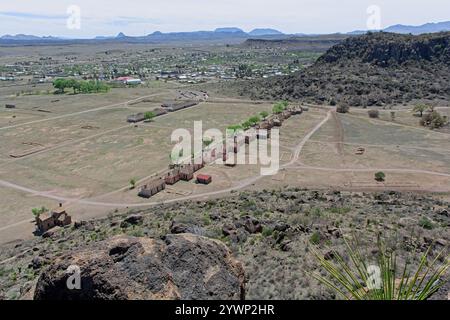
{"points": [[376, 69], [182, 266]]}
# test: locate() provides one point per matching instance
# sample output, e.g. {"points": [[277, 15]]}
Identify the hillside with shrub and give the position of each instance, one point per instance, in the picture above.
{"points": [[369, 70]]}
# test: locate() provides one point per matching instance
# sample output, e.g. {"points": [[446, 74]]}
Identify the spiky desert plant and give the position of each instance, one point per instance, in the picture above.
{"points": [[385, 281]]}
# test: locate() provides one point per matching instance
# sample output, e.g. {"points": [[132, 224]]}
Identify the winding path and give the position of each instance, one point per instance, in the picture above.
{"points": [[80, 112], [242, 184]]}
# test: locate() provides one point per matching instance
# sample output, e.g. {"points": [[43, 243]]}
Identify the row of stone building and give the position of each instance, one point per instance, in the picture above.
{"points": [[213, 153], [164, 109]]}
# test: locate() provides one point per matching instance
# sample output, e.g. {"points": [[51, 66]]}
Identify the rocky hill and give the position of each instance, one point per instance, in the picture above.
{"points": [[122, 268], [373, 69], [304, 43], [269, 232]]}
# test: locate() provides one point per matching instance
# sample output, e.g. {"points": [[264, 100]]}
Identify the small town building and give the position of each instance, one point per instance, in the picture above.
{"points": [[54, 218], [198, 166], [295, 110], [129, 80], [236, 147], [172, 176], [187, 173], [277, 122], [286, 114], [204, 179], [176, 106], [134, 118], [152, 188], [159, 112], [133, 82], [250, 135]]}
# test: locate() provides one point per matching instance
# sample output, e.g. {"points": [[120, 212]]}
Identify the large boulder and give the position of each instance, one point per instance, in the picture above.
{"points": [[182, 266]]}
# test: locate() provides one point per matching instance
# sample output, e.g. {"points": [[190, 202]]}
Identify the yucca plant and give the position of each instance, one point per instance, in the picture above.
{"points": [[359, 280]]}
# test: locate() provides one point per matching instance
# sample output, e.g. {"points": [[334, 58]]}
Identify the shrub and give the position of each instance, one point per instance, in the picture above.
{"points": [[374, 113], [206, 220], [246, 125], [254, 120], [380, 176], [264, 114], [38, 211], [433, 120], [343, 108], [132, 183], [426, 223], [267, 232], [340, 210], [280, 107], [315, 238], [149, 116], [234, 128]]}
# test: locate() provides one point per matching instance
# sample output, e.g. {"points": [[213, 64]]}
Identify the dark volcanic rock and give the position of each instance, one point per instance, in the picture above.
{"points": [[228, 230], [374, 69], [178, 228], [37, 262], [48, 234], [251, 224], [181, 266], [134, 219], [280, 226]]}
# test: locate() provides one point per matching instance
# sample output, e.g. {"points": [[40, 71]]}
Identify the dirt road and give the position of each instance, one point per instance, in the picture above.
{"points": [[80, 112]]}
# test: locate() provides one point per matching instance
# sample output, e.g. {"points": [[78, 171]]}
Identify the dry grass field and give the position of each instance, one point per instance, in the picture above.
{"points": [[79, 149]]}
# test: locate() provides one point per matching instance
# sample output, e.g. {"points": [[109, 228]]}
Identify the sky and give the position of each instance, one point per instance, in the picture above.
{"points": [[141, 17]]}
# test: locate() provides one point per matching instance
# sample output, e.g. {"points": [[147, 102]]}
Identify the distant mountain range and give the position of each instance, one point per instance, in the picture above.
{"points": [[425, 28], [264, 32], [26, 37], [225, 33]]}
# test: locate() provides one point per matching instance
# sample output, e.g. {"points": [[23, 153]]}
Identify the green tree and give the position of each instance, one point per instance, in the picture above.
{"points": [[72, 83], [149, 116], [380, 176], [60, 84], [235, 128], [246, 125], [76, 86], [280, 107], [86, 87], [254, 120], [433, 120], [132, 183], [37, 212], [420, 108], [264, 114], [243, 71], [277, 108]]}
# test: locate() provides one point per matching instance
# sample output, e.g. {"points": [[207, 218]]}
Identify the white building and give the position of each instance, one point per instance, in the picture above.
{"points": [[133, 81]]}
